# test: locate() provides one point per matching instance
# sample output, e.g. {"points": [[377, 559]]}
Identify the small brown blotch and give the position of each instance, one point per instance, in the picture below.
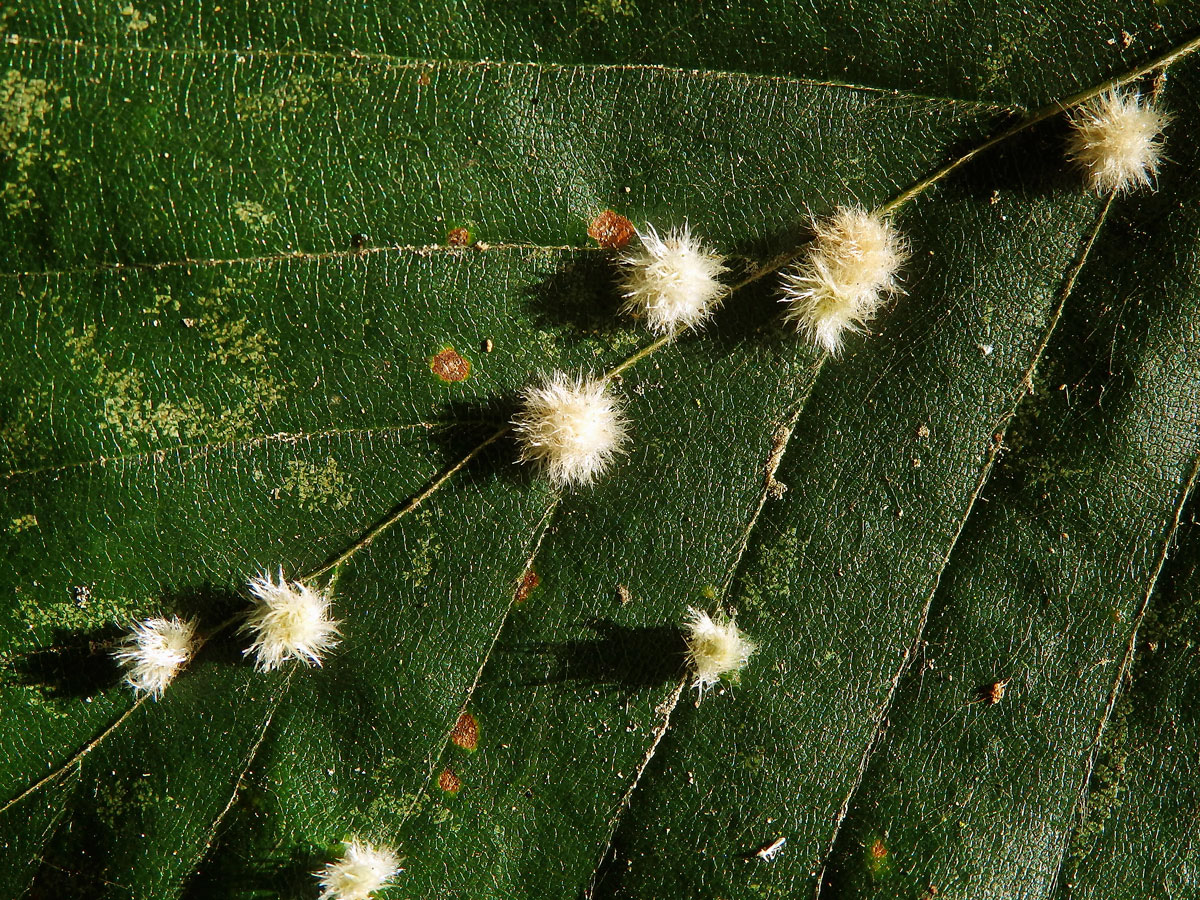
{"points": [[449, 782], [458, 237], [611, 230], [529, 581], [465, 733], [360, 240], [488, 345], [923, 431], [423, 79], [993, 693], [623, 595], [878, 850], [448, 365]]}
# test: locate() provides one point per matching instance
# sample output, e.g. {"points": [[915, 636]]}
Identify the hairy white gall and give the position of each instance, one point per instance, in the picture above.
{"points": [[845, 275], [155, 651], [716, 647], [1116, 140], [572, 428], [672, 283], [288, 621], [363, 869]]}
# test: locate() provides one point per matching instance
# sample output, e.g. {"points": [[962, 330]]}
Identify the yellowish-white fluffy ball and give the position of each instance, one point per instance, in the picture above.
{"points": [[155, 652], [1116, 139], [672, 282], [572, 428], [289, 621], [715, 647], [363, 869], [846, 273]]}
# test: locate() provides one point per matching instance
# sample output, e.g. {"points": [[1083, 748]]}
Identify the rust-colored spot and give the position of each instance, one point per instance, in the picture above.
{"points": [[465, 733], [458, 237], [994, 692], [878, 851], [529, 581], [611, 230], [449, 782], [423, 79], [448, 365]]}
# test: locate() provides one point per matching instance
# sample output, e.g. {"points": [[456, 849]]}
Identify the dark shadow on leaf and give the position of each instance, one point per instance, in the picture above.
{"points": [[210, 604], [464, 425], [80, 663], [584, 294], [615, 655], [74, 664], [287, 877], [1032, 162]]}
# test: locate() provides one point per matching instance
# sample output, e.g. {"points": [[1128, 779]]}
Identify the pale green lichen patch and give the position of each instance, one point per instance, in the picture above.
{"points": [[392, 805], [427, 549], [118, 800], [87, 611], [291, 96], [773, 587], [129, 410], [135, 20], [254, 214], [25, 137], [138, 408], [605, 10], [314, 487], [22, 523]]}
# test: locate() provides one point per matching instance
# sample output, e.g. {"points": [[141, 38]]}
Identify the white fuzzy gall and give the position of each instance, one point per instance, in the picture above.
{"points": [[847, 272], [672, 282], [1116, 139], [570, 427], [155, 652], [288, 621], [715, 647], [362, 870]]}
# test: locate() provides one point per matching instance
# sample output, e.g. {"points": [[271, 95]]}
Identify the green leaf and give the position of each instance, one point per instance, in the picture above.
{"points": [[1143, 787], [240, 258]]}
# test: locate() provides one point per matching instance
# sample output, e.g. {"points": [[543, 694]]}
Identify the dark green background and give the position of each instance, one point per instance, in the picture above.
{"points": [[227, 273]]}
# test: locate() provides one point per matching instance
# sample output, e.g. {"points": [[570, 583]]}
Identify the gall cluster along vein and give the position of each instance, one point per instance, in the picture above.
{"points": [[573, 428]]}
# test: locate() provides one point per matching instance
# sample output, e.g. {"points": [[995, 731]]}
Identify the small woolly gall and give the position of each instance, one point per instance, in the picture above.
{"points": [[673, 282], [571, 428], [846, 273], [363, 869], [155, 652], [288, 621], [1116, 139], [715, 647]]}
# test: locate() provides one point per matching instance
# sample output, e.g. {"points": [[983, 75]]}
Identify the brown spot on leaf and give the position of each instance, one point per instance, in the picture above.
{"points": [[458, 237], [994, 692], [448, 365], [529, 581], [465, 732], [449, 782], [878, 851], [611, 230], [423, 79]]}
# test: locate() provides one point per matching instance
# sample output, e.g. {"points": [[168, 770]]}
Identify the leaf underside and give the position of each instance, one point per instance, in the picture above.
{"points": [[238, 255]]}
